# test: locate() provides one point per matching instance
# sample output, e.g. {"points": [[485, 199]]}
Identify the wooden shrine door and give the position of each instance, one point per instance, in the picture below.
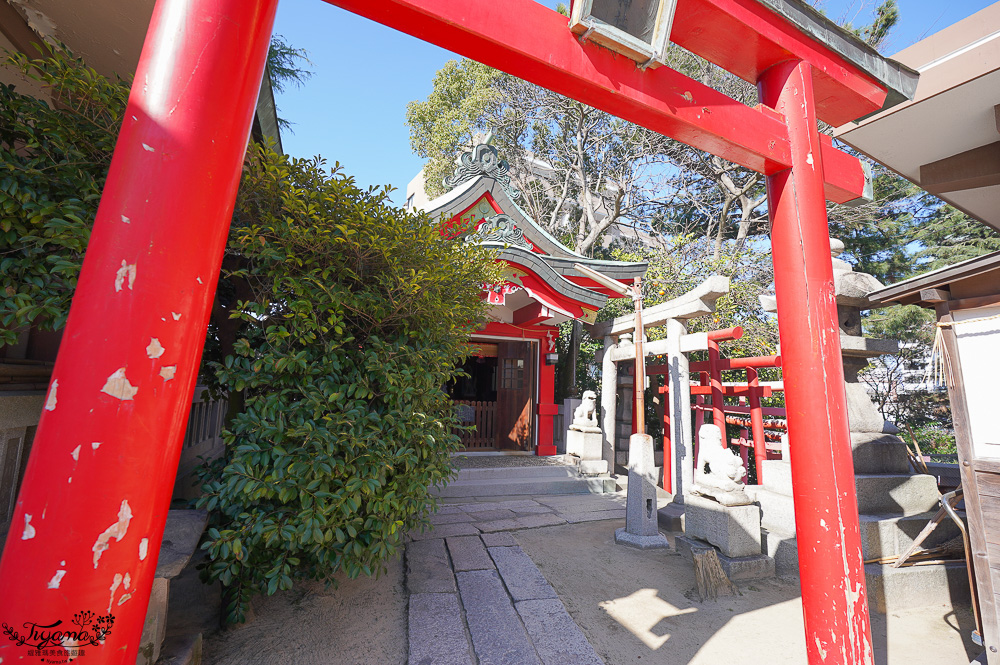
{"points": [[515, 396]]}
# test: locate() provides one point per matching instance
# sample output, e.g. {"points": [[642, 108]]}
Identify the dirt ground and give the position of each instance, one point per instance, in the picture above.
{"points": [[641, 607], [635, 607], [362, 622]]}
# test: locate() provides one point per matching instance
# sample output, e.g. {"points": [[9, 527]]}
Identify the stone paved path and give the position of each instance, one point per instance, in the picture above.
{"points": [[476, 597]]}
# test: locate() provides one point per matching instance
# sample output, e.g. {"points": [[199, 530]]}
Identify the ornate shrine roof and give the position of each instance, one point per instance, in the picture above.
{"points": [[483, 207]]}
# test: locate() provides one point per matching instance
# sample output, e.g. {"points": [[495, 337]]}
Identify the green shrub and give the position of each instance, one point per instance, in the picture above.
{"points": [[53, 162], [359, 312], [934, 440]]}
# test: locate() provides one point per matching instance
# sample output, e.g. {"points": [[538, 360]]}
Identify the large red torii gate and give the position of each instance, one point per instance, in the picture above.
{"points": [[93, 504]]}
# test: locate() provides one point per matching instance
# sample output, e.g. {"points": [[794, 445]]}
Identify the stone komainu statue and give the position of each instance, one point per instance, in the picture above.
{"points": [[585, 415], [720, 471]]}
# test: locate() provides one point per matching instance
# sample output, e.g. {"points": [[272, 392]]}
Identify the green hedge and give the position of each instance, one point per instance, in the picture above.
{"points": [[359, 312]]}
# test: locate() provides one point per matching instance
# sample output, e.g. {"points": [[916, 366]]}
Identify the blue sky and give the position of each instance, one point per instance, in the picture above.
{"points": [[353, 109]]}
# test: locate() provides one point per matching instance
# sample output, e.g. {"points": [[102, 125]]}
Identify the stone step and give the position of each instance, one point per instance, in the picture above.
{"points": [[498, 635], [523, 486], [777, 476], [777, 511], [784, 549], [548, 471], [437, 631], [557, 638], [897, 494], [891, 535], [593, 467], [671, 517], [879, 453], [938, 585]]}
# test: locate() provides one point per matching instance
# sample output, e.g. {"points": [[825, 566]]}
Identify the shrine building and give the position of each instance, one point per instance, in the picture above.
{"points": [[509, 393]]}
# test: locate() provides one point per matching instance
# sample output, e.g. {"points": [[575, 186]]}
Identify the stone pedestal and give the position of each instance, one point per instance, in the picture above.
{"points": [[180, 541], [641, 528], [154, 630], [735, 530], [587, 445], [593, 467]]}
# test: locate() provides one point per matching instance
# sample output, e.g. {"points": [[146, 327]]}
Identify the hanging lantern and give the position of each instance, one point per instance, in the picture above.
{"points": [[638, 29]]}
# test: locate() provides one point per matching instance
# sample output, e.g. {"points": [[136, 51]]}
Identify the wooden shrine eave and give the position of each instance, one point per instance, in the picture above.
{"points": [[506, 36], [484, 194], [947, 139], [620, 270], [930, 288]]}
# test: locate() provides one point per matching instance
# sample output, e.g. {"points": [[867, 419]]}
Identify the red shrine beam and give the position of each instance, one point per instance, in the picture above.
{"points": [[505, 35]]}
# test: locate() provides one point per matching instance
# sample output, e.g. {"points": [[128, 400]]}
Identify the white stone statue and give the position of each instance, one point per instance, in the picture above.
{"points": [[720, 472], [585, 415]]}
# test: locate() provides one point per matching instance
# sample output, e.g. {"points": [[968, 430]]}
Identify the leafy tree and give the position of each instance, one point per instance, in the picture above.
{"points": [[885, 16], [890, 377], [449, 117], [357, 314], [54, 163], [948, 236], [580, 170], [286, 64]]}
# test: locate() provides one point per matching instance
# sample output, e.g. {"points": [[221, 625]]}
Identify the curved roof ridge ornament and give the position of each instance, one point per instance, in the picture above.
{"points": [[500, 228], [483, 160]]}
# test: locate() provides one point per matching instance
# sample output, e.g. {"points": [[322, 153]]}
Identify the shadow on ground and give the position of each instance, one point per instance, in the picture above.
{"points": [[641, 607]]}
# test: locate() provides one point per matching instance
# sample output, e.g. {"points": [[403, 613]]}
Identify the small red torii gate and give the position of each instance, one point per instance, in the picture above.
{"points": [[711, 386], [94, 499]]}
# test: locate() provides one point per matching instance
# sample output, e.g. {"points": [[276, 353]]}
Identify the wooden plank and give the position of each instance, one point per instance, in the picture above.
{"points": [[993, 553], [970, 169], [972, 303], [989, 484], [985, 465], [19, 33], [985, 587]]}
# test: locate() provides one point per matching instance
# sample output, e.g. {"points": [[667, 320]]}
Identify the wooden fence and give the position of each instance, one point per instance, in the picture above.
{"points": [[483, 416], [203, 439]]}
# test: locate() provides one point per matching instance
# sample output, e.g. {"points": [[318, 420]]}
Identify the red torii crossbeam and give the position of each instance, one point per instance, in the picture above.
{"points": [[88, 545], [508, 36]]}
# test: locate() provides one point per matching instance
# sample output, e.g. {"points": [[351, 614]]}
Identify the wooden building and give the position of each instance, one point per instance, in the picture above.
{"points": [[966, 299], [509, 394]]}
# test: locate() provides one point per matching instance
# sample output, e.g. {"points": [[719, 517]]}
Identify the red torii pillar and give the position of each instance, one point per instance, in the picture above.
{"points": [[89, 521], [831, 568]]}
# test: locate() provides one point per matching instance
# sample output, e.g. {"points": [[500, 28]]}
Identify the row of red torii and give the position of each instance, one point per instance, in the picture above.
{"points": [[680, 452]]}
